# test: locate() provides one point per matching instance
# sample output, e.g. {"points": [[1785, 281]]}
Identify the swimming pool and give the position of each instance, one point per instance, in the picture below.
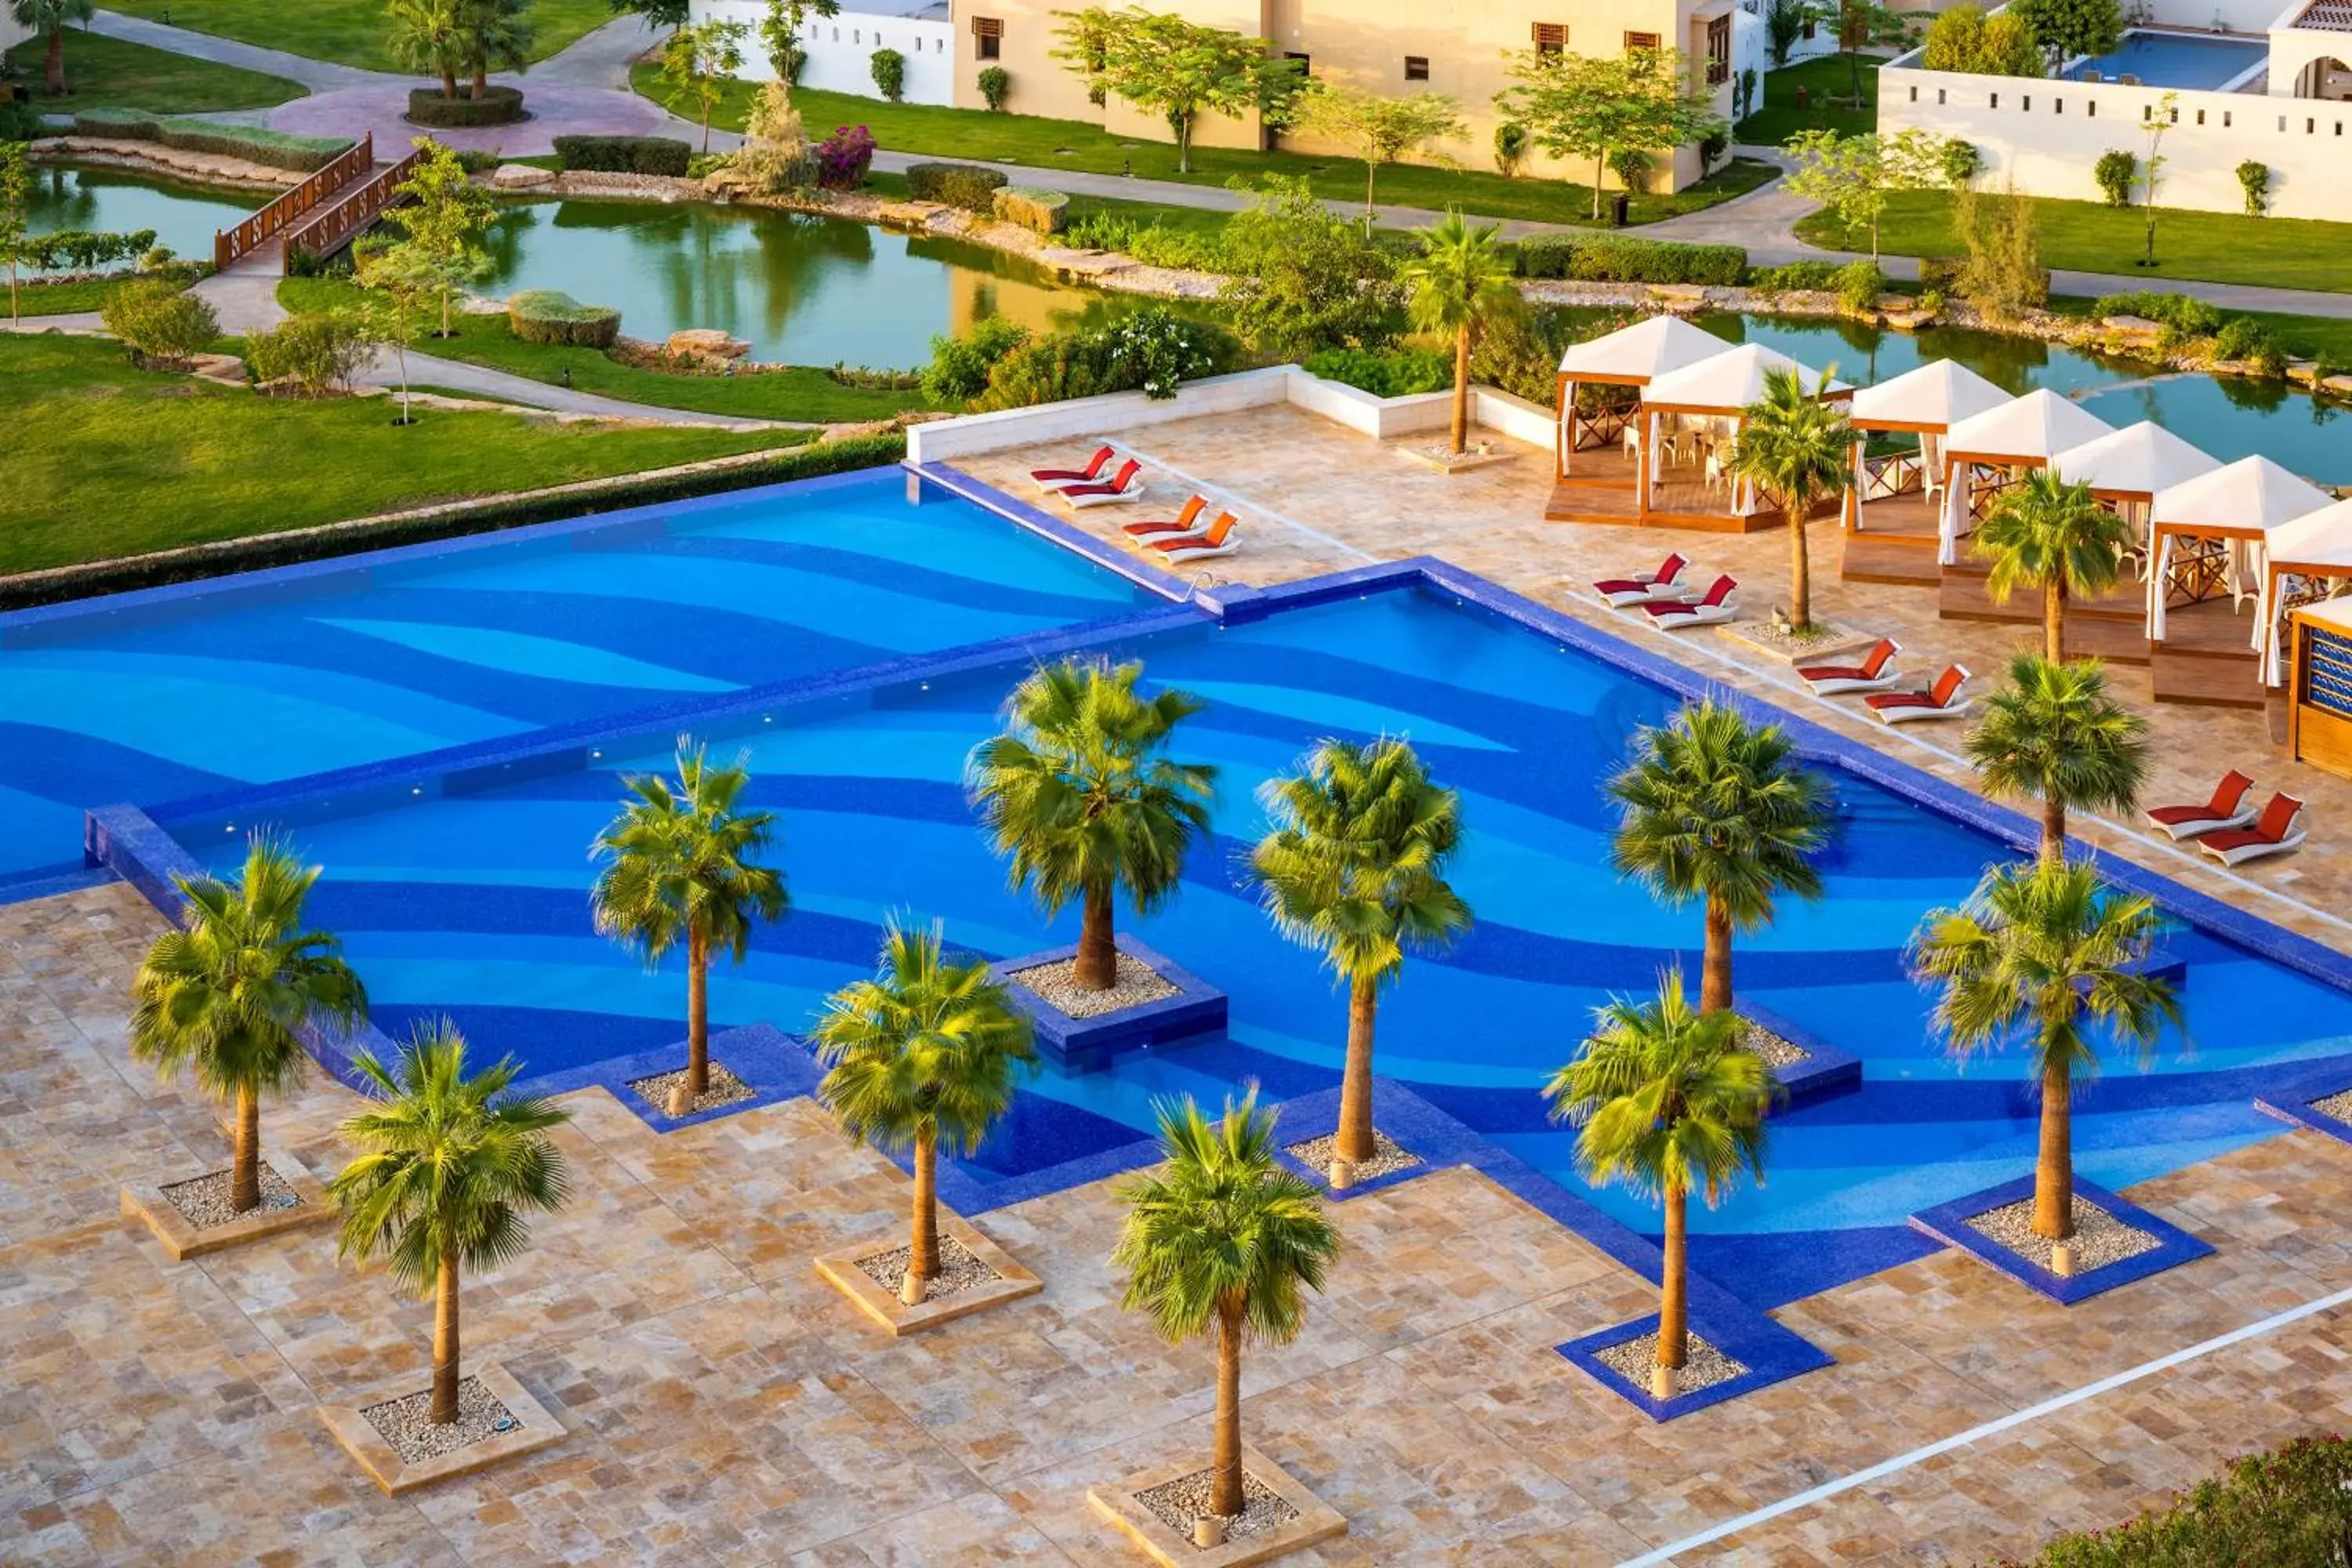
{"points": [[2176, 60]]}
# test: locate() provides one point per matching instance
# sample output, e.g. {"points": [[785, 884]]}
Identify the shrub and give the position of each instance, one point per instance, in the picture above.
{"points": [[551, 316], [1714, 145], [276, 149], [477, 161], [1510, 148], [1302, 278], [1941, 272], [1153, 350], [159, 325], [1151, 244], [2244, 339], [499, 106], [843, 158], [970, 186], [2254, 179], [702, 166], [2180, 315], [995, 85], [1033, 207], [2115, 171], [1959, 160], [318, 350], [1385, 376], [1620, 259], [1964, 39], [1858, 285], [795, 62], [1790, 277], [2288, 1509], [1632, 166], [1932, 301], [2003, 275], [890, 68], [18, 122], [84, 250], [626, 155], [959, 369]]}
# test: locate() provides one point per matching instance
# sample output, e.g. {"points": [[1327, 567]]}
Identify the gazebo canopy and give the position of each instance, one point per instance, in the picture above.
{"points": [[1635, 355], [1728, 382], [2033, 428], [2247, 498], [2138, 460], [2317, 541], [1934, 397]]}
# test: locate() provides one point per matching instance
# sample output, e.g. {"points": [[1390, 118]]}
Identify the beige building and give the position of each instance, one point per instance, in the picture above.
{"points": [[1378, 45]]}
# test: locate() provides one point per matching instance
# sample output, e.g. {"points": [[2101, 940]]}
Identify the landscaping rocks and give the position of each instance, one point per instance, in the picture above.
{"points": [[1775, 1051], [1703, 1366], [959, 1269], [1388, 1158], [2338, 1105], [706, 342], [725, 1088], [203, 1201], [1136, 985], [2098, 1241], [1179, 1502], [520, 176], [405, 1423]]}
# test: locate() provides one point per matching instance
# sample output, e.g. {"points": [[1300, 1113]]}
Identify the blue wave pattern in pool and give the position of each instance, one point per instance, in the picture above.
{"points": [[475, 907], [176, 694]]}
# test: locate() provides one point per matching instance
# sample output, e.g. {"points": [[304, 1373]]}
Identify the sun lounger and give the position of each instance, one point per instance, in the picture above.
{"points": [[2277, 831], [1050, 478], [1941, 700], [1187, 522], [1218, 541], [2228, 808], [1876, 672], [1123, 486], [1662, 586], [1713, 610]]}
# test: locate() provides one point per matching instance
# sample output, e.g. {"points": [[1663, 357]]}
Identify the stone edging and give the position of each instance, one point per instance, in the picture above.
{"points": [[153, 157], [838, 1268], [1316, 1519], [146, 1201], [536, 1428]]}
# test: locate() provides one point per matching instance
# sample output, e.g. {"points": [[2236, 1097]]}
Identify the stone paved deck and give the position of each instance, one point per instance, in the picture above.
{"points": [[724, 1406]]}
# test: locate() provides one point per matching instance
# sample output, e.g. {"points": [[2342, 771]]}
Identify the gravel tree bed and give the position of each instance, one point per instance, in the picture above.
{"points": [[2099, 1239], [725, 1088], [1389, 1156], [1703, 1366], [203, 1201], [959, 1269], [1178, 1503], [1776, 1051], [1136, 985], [2338, 1105], [406, 1423]]}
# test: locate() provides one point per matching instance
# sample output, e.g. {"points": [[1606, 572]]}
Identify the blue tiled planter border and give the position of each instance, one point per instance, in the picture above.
{"points": [[1771, 1354], [1086, 1045], [2293, 1103], [776, 1066], [1948, 1223], [1416, 1126], [1826, 1071]]}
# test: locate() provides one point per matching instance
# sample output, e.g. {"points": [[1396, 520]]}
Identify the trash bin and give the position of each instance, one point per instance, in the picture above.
{"points": [[1621, 210]]}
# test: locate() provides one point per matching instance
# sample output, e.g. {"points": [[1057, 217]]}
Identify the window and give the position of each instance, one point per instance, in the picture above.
{"points": [[2176, 117], [855, 37], [2091, 110], [1718, 51], [1644, 42], [1550, 38], [987, 37], [2225, 120], [1416, 67], [1992, 101], [1939, 95], [2057, 105], [1914, 94], [2025, 104], [2309, 126], [2200, 117]]}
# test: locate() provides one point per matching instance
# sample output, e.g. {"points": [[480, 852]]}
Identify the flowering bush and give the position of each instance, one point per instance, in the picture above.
{"points": [[1155, 348], [842, 158]]}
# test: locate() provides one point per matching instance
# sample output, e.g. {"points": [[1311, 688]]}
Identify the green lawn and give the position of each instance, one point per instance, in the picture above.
{"points": [[114, 73], [2305, 337], [2089, 237], [800, 393], [1042, 143], [349, 32], [1206, 222], [1832, 75], [61, 299], [105, 460]]}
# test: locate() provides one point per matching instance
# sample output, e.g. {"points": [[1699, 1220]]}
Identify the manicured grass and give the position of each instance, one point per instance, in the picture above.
{"points": [[803, 394], [2304, 337], [349, 32], [105, 460], [61, 299], [1829, 76], [114, 73], [1206, 222], [1042, 143]]}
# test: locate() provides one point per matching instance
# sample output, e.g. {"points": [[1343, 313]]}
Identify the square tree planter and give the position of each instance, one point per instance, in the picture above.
{"points": [[1766, 1351], [535, 1428], [1949, 1222], [1313, 1522], [839, 1268], [183, 1239], [1085, 1045]]}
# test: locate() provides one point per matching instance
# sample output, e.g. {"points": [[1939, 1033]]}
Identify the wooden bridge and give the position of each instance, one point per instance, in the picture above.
{"points": [[322, 214]]}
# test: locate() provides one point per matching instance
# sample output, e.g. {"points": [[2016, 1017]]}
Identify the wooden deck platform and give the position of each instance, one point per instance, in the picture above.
{"points": [[2206, 659], [1898, 546], [1603, 485], [2113, 626]]}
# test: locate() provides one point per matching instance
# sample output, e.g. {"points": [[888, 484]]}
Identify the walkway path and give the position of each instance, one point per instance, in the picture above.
{"points": [[319, 76]]}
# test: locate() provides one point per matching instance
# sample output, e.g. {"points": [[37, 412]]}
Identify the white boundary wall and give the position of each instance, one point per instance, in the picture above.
{"points": [[1089, 419], [841, 52]]}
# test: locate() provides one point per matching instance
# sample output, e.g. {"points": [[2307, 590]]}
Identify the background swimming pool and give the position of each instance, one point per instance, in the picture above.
{"points": [[2177, 59], [151, 698], [475, 907]]}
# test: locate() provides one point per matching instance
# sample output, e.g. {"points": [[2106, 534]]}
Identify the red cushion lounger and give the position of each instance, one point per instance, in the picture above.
{"points": [[1941, 700], [1656, 587], [1706, 612], [1218, 541], [1121, 486], [1185, 522], [2279, 830], [2228, 808], [1093, 471], [1876, 671]]}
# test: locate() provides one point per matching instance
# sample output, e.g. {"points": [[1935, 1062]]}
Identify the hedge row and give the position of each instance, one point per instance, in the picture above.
{"points": [[551, 316], [500, 106], [967, 186], [1616, 258], [1033, 207], [626, 155], [276, 149]]}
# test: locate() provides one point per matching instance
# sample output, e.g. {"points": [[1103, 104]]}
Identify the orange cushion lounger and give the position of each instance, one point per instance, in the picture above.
{"points": [[2279, 830], [2226, 809], [1715, 608], [1093, 471], [1123, 486], [1876, 671], [1941, 700], [1218, 541], [1185, 522], [1662, 586]]}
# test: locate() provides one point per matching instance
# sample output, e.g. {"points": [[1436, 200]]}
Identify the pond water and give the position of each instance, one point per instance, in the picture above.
{"points": [[183, 217]]}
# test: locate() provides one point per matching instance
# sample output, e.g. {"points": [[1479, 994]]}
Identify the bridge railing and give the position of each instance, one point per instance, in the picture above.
{"points": [[230, 244], [333, 229]]}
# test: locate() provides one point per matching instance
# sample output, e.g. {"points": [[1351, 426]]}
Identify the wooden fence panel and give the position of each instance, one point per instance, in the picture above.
{"points": [[231, 244]]}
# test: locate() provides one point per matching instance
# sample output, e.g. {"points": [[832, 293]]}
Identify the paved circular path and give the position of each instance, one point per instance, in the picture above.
{"points": [[556, 109]]}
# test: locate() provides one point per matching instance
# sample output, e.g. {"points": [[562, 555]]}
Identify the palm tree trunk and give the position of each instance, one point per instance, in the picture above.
{"points": [[1715, 964], [698, 1016], [1096, 967], [1226, 1465], [1355, 1135], [925, 1244], [449, 82], [445, 1339], [2054, 831], [53, 64], [481, 80], [244, 1163], [1801, 568], [1461, 389], [1674, 1307], [2053, 620], [2054, 1167]]}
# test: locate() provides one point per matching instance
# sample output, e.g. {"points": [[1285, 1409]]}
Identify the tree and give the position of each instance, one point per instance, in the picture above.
{"points": [[780, 34], [15, 197], [1377, 128], [2003, 275], [926, 1050], [428, 35], [2039, 951], [1716, 808], [446, 219], [226, 996], [2054, 735], [1461, 281], [2049, 533], [1222, 1236], [1853, 176], [1164, 65], [1353, 865], [2067, 29], [1798, 447], [47, 20], [1079, 794], [404, 280], [450, 1165], [2151, 168], [1667, 1101], [1785, 22], [1576, 106], [658, 14], [1964, 39], [493, 33], [699, 60], [1302, 278], [682, 864], [1867, 24]]}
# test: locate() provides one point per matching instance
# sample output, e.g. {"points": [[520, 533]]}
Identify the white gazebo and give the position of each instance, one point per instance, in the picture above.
{"points": [[2306, 559], [2128, 467], [2205, 534], [1924, 401], [1984, 453], [1691, 417], [1633, 356]]}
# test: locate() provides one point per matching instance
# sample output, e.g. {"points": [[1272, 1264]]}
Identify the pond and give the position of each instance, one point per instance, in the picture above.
{"points": [[183, 218]]}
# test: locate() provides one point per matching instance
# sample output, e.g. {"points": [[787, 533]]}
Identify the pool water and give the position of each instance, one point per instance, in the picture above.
{"points": [[2176, 60], [159, 697], [184, 218]]}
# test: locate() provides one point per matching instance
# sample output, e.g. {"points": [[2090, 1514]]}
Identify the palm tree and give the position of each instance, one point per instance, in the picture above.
{"points": [[47, 20], [2054, 735], [2049, 534], [1799, 448], [1718, 809], [682, 866], [1076, 793], [1353, 865], [426, 35], [1222, 1236], [227, 995], [1666, 1101], [493, 33], [451, 1164], [1461, 282], [925, 1051], [2040, 951]]}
